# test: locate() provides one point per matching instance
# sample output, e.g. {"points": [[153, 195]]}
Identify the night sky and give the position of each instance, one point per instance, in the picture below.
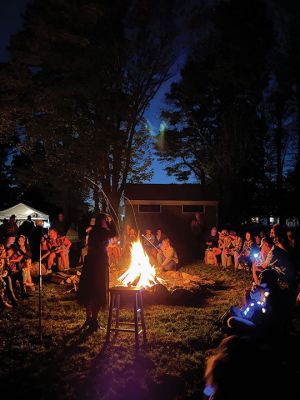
{"points": [[11, 21]]}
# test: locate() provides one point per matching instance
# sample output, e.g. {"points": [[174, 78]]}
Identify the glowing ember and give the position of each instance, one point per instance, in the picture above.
{"points": [[140, 272]]}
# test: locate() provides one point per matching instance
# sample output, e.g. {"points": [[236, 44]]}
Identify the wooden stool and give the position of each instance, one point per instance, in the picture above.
{"points": [[136, 294]]}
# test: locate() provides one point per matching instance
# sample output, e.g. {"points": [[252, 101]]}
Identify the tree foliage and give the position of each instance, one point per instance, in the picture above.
{"points": [[221, 113], [88, 72]]}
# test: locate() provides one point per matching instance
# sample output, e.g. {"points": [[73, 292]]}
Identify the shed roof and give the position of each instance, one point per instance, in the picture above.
{"points": [[175, 192]]}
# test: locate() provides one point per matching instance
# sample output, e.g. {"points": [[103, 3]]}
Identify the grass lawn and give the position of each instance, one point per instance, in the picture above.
{"points": [[69, 365]]}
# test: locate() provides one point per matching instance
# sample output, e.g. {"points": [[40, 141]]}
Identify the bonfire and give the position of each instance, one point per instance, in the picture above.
{"points": [[140, 272], [172, 287]]}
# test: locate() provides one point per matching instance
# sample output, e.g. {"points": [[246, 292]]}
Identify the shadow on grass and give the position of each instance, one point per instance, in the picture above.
{"points": [[131, 379]]}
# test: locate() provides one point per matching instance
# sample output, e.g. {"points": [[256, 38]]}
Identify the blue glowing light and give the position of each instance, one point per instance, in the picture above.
{"points": [[208, 390]]}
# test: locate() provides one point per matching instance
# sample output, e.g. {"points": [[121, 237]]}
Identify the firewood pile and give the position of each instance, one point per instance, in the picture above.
{"points": [[175, 287], [70, 279]]}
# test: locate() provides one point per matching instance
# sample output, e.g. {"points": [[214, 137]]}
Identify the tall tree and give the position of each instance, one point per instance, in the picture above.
{"points": [[286, 15], [90, 70], [280, 112], [217, 125]]}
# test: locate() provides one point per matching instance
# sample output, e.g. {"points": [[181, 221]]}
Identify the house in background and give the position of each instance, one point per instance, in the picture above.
{"points": [[171, 208]]}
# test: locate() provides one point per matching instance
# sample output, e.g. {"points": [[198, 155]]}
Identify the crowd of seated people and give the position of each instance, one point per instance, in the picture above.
{"points": [[20, 251], [258, 326], [228, 249], [157, 246]]}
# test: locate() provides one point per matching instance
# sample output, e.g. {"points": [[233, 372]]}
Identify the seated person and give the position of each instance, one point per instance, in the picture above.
{"points": [[7, 294], [148, 244], [279, 260], [63, 259], [130, 238], [167, 258], [159, 237], [10, 241], [259, 263], [148, 239], [44, 248], [22, 248], [2, 251], [225, 247], [263, 312], [235, 248], [245, 256], [257, 240], [114, 251], [132, 235], [27, 270], [3, 274], [54, 248], [212, 247], [16, 271]]}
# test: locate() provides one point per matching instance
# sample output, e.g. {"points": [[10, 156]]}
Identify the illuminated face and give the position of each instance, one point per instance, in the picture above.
{"points": [[148, 232], [10, 252], [52, 234], [166, 243], [28, 263], [272, 233], [92, 222], [213, 231], [248, 236], [21, 241], [10, 241]]}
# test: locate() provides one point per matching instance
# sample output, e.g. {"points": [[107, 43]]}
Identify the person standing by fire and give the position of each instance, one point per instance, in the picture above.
{"points": [[94, 282]]}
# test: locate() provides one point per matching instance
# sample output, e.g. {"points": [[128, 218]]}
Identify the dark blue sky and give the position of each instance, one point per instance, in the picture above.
{"points": [[11, 21]]}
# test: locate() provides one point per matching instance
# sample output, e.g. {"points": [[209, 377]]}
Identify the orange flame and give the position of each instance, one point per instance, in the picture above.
{"points": [[140, 272]]}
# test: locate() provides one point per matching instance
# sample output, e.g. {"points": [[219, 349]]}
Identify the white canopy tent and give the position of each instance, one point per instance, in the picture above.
{"points": [[22, 211]]}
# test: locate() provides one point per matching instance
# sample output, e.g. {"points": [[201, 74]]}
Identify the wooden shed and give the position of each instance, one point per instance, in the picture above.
{"points": [[170, 208]]}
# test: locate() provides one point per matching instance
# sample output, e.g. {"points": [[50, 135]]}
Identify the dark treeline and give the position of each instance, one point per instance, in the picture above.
{"points": [[234, 115], [82, 74]]}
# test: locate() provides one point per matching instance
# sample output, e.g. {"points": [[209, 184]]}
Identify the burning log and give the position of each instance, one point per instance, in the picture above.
{"points": [[172, 287], [140, 272]]}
